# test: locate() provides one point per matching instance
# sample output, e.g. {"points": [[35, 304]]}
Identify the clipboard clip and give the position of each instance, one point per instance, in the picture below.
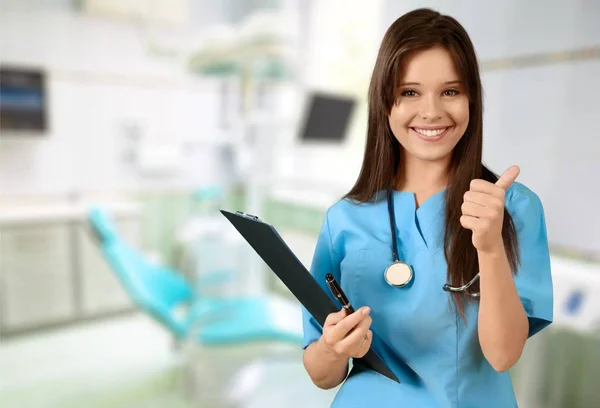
{"points": [[246, 215]]}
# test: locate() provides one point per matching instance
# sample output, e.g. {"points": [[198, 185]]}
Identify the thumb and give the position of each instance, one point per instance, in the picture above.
{"points": [[508, 177]]}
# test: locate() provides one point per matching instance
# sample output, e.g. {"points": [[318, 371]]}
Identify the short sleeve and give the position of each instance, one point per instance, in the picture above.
{"points": [[534, 277], [324, 261]]}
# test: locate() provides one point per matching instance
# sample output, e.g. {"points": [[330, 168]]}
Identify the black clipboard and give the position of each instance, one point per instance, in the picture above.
{"points": [[269, 245]]}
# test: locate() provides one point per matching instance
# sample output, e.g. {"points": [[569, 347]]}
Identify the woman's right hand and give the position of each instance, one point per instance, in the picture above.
{"points": [[347, 336]]}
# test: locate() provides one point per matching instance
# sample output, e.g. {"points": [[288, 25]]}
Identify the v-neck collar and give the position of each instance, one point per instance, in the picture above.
{"points": [[424, 221]]}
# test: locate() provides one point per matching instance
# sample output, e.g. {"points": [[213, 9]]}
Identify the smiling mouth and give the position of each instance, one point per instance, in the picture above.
{"points": [[431, 133]]}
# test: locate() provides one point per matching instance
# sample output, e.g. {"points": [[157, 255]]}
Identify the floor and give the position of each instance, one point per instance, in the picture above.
{"points": [[123, 362], [130, 362]]}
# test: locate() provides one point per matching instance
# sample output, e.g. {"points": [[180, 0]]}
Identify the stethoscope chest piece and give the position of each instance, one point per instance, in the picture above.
{"points": [[398, 274]]}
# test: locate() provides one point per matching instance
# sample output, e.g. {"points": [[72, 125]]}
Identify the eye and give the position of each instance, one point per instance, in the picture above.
{"points": [[451, 92], [409, 92]]}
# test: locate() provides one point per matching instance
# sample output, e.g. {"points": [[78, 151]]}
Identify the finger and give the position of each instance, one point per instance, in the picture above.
{"points": [[469, 222], [482, 186], [476, 210], [508, 177], [368, 340], [356, 336], [483, 199], [340, 330], [366, 321], [365, 344], [334, 318]]}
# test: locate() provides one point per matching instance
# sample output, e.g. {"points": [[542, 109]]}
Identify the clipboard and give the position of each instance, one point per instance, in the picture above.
{"points": [[269, 245]]}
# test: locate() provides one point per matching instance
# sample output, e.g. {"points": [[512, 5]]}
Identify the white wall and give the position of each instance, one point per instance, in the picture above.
{"points": [[511, 27], [102, 80], [545, 120]]}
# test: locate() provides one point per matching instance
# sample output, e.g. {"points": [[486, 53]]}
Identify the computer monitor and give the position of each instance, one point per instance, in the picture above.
{"points": [[23, 106], [327, 118]]}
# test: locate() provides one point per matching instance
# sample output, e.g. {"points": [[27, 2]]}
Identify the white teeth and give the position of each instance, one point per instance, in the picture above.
{"points": [[430, 132]]}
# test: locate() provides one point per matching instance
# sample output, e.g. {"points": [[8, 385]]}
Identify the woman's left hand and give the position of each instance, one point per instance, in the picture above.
{"points": [[483, 211]]}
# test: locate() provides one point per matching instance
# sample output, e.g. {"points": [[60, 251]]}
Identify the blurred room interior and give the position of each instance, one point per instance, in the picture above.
{"points": [[126, 125]]}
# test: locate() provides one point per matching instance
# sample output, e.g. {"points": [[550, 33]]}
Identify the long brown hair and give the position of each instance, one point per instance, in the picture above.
{"points": [[417, 30]]}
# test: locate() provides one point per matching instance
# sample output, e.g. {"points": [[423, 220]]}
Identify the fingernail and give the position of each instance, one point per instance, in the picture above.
{"points": [[366, 311]]}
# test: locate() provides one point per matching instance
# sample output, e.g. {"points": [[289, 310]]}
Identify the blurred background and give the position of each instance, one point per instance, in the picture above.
{"points": [[126, 124]]}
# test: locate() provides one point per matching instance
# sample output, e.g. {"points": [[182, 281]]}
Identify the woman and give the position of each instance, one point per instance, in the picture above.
{"points": [[422, 178]]}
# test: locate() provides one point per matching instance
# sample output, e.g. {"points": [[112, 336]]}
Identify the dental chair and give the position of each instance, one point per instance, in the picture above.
{"points": [[221, 336]]}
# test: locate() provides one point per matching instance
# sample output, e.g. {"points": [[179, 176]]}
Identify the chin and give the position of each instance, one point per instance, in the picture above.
{"points": [[432, 156]]}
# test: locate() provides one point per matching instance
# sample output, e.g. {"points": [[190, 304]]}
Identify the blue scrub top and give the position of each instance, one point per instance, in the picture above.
{"points": [[432, 350]]}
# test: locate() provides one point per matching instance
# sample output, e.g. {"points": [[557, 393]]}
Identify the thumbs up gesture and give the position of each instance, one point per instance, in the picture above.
{"points": [[483, 211]]}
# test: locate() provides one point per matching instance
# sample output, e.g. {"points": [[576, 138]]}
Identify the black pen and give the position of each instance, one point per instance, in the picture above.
{"points": [[338, 293]]}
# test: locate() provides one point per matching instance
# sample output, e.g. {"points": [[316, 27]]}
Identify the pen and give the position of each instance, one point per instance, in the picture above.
{"points": [[338, 293]]}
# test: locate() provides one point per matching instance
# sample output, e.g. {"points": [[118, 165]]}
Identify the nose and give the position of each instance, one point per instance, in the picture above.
{"points": [[430, 108]]}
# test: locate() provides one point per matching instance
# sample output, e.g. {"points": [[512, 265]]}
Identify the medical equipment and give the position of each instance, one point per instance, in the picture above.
{"points": [[327, 118], [185, 310], [449, 288], [208, 247], [400, 274], [23, 101]]}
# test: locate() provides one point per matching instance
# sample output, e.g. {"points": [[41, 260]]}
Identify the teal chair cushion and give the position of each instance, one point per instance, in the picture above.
{"points": [[250, 319]]}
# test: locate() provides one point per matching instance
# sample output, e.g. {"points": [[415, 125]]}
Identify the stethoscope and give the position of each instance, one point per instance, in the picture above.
{"points": [[400, 274]]}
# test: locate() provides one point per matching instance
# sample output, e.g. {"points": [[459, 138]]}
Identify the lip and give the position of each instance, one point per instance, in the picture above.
{"points": [[431, 139], [430, 127]]}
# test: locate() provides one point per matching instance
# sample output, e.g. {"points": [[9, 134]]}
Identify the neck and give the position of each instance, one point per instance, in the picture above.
{"points": [[421, 176]]}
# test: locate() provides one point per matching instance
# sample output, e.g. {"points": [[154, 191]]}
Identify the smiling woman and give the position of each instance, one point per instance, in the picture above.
{"points": [[475, 243]]}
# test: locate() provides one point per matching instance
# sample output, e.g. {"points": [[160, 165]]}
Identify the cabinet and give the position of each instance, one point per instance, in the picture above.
{"points": [[37, 275], [51, 270]]}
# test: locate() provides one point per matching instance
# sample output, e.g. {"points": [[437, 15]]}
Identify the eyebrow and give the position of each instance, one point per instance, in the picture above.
{"points": [[456, 81]]}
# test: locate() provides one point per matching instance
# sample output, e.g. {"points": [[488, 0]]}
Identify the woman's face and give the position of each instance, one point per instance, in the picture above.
{"points": [[431, 113]]}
